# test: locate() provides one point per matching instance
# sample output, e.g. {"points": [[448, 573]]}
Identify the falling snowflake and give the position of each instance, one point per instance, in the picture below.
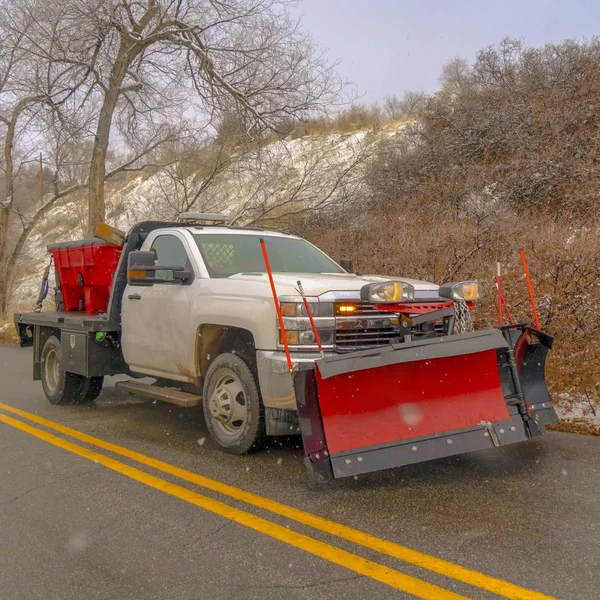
{"points": [[78, 541], [411, 414]]}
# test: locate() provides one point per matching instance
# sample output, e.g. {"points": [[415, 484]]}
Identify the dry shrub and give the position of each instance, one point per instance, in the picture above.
{"points": [[355, 118], [435, 243], [8, 333], [504, 158]]}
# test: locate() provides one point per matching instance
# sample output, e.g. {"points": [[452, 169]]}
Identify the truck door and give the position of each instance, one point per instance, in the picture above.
{"points": [[156, 335]]}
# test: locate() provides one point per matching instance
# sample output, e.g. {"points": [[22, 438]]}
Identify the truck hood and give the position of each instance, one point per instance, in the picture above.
{"points": [[319, 284]]}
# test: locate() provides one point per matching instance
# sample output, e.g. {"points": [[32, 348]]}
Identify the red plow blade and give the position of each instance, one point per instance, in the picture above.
{"points": [[406, 403]]}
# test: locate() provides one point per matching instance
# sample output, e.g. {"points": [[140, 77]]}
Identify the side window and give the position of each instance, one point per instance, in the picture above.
{"points": [[170, 252]]}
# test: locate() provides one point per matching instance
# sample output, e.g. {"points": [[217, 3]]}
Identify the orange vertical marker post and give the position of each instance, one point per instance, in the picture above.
{"points": [[277, 307], [535, 314]]}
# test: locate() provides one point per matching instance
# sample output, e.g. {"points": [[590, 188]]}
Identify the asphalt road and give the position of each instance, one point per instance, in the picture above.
{"points": [[76, 521]]}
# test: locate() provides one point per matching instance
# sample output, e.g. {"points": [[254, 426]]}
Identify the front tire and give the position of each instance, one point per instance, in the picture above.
{"points": [[232, 405], [60, 386]]}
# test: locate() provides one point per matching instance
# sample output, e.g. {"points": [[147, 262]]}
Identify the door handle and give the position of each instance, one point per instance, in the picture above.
{"points": [[134, 297]]}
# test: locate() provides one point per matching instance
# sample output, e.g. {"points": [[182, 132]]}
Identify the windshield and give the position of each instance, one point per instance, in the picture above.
{"points": [[227, 254]]}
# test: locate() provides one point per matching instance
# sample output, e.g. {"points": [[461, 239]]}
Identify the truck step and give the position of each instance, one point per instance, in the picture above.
{"points": [[171, 395]]}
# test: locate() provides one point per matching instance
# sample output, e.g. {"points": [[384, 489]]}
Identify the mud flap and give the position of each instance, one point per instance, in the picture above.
{"points": [[406, 403]]}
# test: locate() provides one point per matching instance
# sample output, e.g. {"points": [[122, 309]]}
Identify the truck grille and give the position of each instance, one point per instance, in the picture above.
{"points": [[430, 330], [369, 328], [364, 338]]}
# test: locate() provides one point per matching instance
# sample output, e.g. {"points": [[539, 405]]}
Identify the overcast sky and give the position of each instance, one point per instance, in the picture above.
{"points": [[388, 46]]}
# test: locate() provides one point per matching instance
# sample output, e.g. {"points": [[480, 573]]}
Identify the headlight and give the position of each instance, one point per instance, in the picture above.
{"points": [[387, 292], [297, 309], [307, 338], [464, 290], [298, 328]]}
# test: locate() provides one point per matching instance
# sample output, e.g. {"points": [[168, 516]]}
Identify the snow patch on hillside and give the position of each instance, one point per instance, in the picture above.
{"points": [[283, 176], [578, 409]]}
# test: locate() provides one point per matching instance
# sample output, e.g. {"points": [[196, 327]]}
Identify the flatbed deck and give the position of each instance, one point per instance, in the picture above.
{"points": [[80, 321]]}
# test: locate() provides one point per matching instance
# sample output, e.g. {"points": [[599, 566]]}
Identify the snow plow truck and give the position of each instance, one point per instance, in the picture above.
{"points": [[272, 337]]}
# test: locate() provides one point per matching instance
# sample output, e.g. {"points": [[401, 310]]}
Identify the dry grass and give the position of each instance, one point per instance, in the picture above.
{"points": [[355, 118], [580, 426], [8, 333]]}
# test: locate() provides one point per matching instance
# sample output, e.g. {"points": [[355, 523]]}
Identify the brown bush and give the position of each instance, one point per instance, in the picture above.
{"points": [[505, 159], [8, 333], [433, 243], [355, 118]]}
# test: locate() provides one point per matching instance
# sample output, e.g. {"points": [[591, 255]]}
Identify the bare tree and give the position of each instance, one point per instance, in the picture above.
{"points": [[406, 107], [141, 59], [27, 89], [456, 76]]}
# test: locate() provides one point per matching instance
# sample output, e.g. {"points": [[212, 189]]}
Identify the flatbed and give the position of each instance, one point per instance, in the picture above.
{"points": [[69, 320]]}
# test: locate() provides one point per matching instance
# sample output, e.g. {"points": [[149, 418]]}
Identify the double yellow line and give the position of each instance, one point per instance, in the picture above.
{"points": [[348, 560]]}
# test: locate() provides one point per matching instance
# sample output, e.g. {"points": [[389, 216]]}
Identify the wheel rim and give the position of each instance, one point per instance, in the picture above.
{"points": [[228, 405], [52, 370]]}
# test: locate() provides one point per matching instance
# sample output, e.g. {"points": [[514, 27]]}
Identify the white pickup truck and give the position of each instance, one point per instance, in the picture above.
{"points": [[210, 328], [191, 306]]}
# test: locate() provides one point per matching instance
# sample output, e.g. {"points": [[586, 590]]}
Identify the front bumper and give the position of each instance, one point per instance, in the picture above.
{"points": [[276, 384], [277, 388]]}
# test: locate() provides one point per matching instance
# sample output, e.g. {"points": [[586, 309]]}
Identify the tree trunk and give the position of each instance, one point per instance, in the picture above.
{"points": [[96, 206], [5, 292], [4, 296], [9, 190], [4, 213]]}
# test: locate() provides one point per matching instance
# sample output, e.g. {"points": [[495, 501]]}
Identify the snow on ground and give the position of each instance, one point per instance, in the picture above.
{"points": [[574, 409]]}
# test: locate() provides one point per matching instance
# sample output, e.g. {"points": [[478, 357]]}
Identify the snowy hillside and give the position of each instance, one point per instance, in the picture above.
{"points": [[279, 178]]}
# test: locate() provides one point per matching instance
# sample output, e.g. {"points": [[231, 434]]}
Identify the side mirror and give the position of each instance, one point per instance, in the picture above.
{"points": [[346, 264], [141, 270]]}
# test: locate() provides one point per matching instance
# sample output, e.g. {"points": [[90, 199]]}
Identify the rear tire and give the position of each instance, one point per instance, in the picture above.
{"points": [[60, 386], [91, 388], [232, 406]]}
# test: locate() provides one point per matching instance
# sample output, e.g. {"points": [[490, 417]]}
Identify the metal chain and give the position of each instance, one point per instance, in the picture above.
{"points": [[463, 322]]}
